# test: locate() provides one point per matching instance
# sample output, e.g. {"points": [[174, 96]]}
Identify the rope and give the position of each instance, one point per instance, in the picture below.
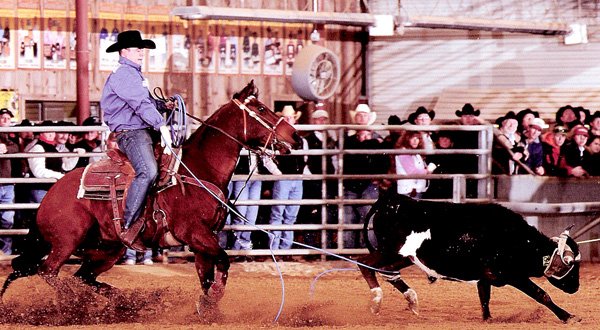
{"points": [[589, 241], [177, 119], [273, 237]]}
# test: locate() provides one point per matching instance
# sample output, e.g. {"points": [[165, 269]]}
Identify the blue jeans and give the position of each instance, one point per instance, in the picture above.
{"points": [[37, 195], [7, 196], [286, 214], [137, 145], [132, 255], [354, 214], [250, 212]]}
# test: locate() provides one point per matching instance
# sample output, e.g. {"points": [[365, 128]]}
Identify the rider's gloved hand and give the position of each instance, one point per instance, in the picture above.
{"points": [[166, 142]]}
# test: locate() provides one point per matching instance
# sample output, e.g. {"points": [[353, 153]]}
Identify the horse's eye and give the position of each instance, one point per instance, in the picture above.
{"points": [[261, 109]]}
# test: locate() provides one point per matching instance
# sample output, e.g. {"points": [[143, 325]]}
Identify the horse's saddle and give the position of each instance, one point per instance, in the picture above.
{"points": [[116, 172], [98, 177]]}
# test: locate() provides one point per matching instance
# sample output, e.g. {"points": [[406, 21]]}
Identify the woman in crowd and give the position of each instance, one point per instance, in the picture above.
{"points": [[412, 164]]}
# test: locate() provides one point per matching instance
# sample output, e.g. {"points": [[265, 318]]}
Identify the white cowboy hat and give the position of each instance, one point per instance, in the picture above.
{"points": [[364, 108], [288, 110], [319, 114], [539, 123]]}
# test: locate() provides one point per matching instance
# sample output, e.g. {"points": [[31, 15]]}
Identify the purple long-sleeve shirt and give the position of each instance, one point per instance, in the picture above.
{"points": [[126, 101]]}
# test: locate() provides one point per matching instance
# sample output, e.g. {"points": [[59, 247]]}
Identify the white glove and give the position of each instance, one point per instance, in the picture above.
{"points": [[166, 142], [431, 167], [79, 151]]}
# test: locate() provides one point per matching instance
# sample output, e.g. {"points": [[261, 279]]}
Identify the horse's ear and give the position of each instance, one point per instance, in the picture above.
{"points": [[250, 89]]}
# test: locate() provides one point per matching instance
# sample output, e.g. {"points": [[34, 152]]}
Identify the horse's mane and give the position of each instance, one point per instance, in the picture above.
{"points": [[249, 90]]}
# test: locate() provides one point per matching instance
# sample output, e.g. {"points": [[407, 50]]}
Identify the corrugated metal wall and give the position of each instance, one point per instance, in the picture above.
{"points": [[423, 65]]}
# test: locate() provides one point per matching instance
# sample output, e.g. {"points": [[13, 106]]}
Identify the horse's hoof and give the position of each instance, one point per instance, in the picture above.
{"points": [[413, 301], [208, 311]]}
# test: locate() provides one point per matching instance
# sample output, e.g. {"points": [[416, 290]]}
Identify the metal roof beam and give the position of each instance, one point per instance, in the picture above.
{"points": [[272, 15], [464, 23]]}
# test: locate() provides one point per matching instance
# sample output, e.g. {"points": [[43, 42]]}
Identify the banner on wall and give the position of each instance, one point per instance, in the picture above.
{"points": [[29, 39], [251, 50], [108, 29], [9, 99], [159, 33], [180, 56], [205, 46], [273, 55], [7, 40], [54, 42], [228, 46], [296, 38]]}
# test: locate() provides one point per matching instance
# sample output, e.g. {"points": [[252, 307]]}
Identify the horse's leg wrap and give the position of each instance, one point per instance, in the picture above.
{"points": [[377, 294]]}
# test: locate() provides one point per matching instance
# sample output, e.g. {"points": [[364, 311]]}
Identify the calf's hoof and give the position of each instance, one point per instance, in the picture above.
{"points": [[375, 306], [413, 302], [572, 319]]}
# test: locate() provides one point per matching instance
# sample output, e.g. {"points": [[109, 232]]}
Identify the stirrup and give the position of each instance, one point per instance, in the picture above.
{"points": [[129, 237]]}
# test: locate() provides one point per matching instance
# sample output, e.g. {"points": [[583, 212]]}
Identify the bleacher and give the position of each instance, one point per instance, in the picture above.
{"points": [[494, 103]]}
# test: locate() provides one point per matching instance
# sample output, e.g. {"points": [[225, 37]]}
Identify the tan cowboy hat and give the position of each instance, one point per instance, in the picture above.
{"points": [[364, 108], [288, 110]]}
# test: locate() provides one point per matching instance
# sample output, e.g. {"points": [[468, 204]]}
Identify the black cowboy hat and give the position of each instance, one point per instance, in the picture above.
{"points": [[593, 116], [25, 123], [129, 39], [508, 115], [524, 112], [91, 121], [561, 110], [47, 123], [467, 109], [395, 120], [413, 116]]}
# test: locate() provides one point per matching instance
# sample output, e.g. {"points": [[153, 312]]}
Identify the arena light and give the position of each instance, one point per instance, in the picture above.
{"points": [[272, 15]]}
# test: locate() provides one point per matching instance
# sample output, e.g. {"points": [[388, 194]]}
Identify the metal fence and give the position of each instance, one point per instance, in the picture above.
{"points": [[330, 233]]}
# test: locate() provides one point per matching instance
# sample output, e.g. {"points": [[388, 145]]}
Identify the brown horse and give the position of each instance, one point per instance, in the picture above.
{"points": [[68, 226]]}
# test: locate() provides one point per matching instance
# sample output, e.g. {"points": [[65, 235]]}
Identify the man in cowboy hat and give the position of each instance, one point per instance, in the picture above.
{"points": [[361, 164], [423, 117], [469, 164], [287, 189], [132, 113]]}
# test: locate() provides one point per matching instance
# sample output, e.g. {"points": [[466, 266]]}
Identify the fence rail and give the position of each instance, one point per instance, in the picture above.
{"points": [[458, 188]]}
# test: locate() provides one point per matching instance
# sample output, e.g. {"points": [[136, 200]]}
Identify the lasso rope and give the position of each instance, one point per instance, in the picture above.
{"points": [[273, 237], [177, 121]]}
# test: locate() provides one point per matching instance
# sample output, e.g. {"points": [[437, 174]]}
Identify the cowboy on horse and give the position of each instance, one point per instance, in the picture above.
{"points": [[133, 114]]}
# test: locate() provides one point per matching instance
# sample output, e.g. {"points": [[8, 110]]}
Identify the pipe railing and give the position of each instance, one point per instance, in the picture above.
{"points": [[486, 133]]}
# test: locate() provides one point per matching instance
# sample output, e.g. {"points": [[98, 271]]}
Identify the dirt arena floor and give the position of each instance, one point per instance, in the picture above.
{"points": [[164, 297]]}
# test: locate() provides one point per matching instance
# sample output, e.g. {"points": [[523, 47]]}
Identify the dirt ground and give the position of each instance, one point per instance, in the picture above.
{"points": [[164, 297]]}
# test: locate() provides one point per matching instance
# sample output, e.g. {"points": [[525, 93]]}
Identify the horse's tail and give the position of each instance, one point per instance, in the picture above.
{"points": [[35, 248]]}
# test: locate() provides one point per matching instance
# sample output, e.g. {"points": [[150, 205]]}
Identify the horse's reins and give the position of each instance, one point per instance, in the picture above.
{"points": [[253, 114]]}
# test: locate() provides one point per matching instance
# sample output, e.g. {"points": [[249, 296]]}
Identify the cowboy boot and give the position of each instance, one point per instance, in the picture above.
{"points": [[129, 237]]}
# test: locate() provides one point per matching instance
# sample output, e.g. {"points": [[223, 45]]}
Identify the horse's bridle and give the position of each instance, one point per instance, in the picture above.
{"points": [[246, 110], [259, 119]]}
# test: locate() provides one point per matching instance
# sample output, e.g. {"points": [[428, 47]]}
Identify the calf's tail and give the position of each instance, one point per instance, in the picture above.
{"points": [[367, 221]]}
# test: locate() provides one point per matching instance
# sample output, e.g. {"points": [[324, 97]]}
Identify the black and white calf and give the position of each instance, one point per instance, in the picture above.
{"points": [[483, 243]]}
